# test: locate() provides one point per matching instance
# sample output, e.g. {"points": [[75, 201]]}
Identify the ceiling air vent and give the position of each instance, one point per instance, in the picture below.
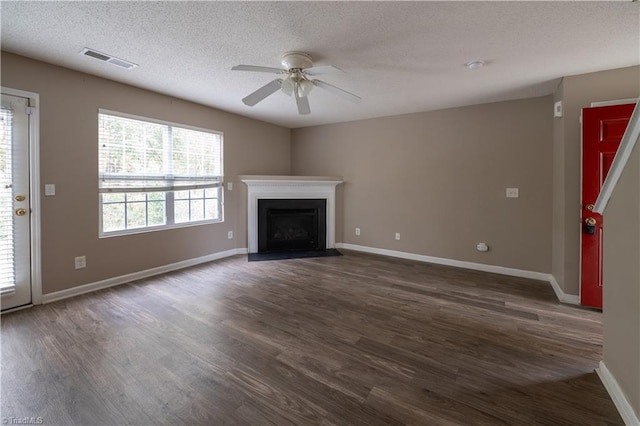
{"points": [[107, 58]]}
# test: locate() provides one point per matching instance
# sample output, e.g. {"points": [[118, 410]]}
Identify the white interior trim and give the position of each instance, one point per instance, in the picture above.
{"points": [[290, 187], [614, 102], [123, 279], [616, 394], [34, 174], [562, 297], [17, 308], [627, 143]]}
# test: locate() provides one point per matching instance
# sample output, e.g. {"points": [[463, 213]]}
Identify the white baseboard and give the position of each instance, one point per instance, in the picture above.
{"points": [[110, 282], [612, 386], [562, 297], [122, 279]]}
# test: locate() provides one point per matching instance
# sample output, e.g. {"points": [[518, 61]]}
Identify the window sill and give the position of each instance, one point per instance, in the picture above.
{"points": [[156, 228]]}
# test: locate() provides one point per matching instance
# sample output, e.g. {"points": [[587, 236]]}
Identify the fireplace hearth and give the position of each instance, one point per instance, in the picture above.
{"points": [[291, 224]]}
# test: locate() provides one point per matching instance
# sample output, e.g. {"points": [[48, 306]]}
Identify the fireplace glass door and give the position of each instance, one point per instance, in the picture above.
{"points": [[291, 224]]}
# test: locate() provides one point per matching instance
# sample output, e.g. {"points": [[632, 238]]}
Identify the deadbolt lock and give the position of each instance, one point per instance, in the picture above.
{"points": [[20, 198], [21, 212]]}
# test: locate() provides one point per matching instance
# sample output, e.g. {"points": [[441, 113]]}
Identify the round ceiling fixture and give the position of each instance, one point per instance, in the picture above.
{"points": [[472, 65]]}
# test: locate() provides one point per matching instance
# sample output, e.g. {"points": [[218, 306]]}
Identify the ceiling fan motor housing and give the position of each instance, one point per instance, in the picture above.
{"points": [[296, 60]]}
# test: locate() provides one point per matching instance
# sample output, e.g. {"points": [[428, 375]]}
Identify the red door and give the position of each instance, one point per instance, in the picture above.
{"points": [[602, 130]]}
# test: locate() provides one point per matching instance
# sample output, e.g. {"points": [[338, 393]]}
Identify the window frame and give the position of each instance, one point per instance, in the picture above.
{"points": [[169, 195]]}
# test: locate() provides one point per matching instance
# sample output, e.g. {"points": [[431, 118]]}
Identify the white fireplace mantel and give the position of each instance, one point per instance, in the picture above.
{"points": [[293, 187]]}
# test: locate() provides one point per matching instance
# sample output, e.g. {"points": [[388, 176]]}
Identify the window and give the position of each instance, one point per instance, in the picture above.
{"points": [[155, 175]]}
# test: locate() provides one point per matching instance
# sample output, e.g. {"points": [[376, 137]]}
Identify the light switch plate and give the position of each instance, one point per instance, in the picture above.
{"points": [[229, 186], [49, 189], [557, 109]]}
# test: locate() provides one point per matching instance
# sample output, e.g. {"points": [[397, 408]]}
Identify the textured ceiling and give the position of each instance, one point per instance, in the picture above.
{"points": [[400, 57]]}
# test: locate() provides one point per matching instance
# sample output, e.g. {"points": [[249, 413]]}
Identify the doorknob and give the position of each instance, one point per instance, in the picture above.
{"points": [[21, 212], [20, 198], [590, 221]]}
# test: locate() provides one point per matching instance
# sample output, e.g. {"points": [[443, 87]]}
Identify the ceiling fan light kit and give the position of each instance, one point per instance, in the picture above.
{"points": [[297, 82], [298, 68], [288, 86], [304, 87]]}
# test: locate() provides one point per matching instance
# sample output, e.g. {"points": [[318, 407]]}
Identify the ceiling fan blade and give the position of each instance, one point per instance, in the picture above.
{"points": [[258, 69], [328, 69], [303, 104], [337, 91], [263, 92]]}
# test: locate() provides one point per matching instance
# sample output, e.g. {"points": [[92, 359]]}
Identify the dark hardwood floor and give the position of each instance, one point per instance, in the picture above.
{"points": [[352, 340]]}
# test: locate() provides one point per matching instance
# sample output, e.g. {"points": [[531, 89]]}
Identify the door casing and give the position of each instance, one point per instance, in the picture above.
{"points": [[34, 187]]}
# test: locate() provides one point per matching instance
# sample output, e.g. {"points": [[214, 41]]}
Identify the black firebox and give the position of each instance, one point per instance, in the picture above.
{"points": [[291, 224]]}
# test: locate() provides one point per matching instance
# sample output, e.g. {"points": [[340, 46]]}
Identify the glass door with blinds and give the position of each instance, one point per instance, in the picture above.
{"points": [[15, 202]]}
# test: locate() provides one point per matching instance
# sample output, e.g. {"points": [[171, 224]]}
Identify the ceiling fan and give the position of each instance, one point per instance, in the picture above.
{"points": [[298, 67]]}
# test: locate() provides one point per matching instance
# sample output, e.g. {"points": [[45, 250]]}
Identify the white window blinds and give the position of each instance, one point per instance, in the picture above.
{"points": [[7, 270], [145, 156]]}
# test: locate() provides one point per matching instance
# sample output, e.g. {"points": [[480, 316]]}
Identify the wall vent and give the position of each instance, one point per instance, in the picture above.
{"points": [[107, 58]]}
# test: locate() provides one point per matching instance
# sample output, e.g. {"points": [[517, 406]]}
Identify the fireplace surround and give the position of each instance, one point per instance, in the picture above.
{"points": [[290, 188]]}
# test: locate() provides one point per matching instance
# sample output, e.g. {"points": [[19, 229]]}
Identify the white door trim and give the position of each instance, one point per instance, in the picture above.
{"points": [[614, 102], [34, 174]]}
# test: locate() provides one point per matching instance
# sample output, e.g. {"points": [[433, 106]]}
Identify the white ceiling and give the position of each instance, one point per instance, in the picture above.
{"points": [[400, 57]]}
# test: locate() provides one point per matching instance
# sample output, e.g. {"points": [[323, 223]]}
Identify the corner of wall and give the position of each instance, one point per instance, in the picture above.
{"points": [[617, 396], [557, 222], [290, 134]]}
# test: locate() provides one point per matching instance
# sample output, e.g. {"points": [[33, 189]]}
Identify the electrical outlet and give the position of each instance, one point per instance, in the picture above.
{"points": [[81, 262], [230, 235], [397, 236], [513, 193], [357, 231], [482, 247]]}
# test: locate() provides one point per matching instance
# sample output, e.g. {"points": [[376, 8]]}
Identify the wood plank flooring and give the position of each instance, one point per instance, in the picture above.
{"points": [[352, 340]]}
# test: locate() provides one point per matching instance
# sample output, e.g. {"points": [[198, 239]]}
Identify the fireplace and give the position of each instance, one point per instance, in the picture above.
{"points": [[298, 188], [291, 224]]}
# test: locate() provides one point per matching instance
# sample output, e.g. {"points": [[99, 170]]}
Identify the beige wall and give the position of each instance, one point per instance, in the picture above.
{"points": [[621, 288], [578, 92], [439, 178], [69, 103]]}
